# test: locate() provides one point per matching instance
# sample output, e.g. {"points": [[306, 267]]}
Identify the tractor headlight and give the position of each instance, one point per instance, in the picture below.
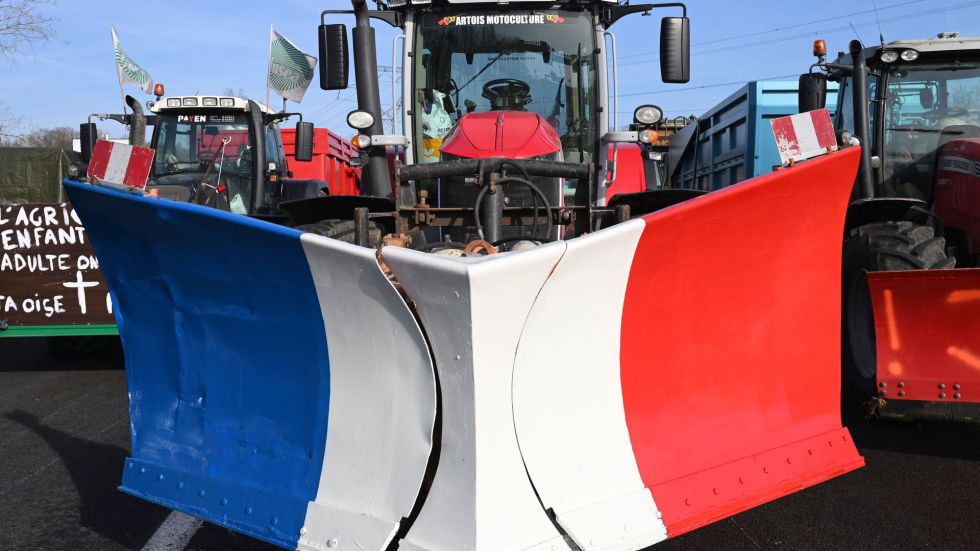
{"points": [[77, 170], [648, 114], [910, 55], [209, 102], [889, 56], [173, 102], [226, 102], [360, 120]]}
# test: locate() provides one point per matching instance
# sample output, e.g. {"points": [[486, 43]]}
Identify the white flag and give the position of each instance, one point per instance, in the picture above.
{"points": [[290, 70], [129, 71]]}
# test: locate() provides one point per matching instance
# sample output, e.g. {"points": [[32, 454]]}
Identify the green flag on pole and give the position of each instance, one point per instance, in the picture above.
{"points": [[290, 70], [129, 71]]}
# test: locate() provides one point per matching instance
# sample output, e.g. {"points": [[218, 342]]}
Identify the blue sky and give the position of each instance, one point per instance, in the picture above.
{"points": [[207, 47]]}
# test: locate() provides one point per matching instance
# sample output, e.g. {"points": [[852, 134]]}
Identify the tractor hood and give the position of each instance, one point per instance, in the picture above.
{"points": [[510, 134]]}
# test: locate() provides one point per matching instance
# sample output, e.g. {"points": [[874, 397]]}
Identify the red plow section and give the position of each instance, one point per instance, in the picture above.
{"points": [[746, 313], [927, 325], [708, 379]]}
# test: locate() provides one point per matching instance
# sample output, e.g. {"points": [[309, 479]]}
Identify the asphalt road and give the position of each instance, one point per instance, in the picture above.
{"points": [[64, 433]]}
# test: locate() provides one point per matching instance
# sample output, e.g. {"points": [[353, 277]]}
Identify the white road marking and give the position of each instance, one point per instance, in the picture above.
{"points": [[175, 533]]}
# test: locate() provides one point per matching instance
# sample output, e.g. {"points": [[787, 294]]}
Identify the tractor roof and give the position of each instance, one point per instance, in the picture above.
{"points": [[932, 47], [940, 44], [497, 3], [230, 103], [527, 1]]}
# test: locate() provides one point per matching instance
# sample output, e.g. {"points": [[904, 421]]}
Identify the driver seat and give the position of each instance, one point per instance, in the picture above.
{"points": [[244, 157]]}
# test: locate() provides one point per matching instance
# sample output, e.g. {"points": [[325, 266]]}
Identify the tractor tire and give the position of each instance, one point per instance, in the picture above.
{"points": [[878, 247], [342, 230]]}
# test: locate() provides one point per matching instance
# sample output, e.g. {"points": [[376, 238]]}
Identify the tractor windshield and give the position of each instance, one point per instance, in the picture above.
{"points": [[925, 106], [190, 145], [469, 62]]}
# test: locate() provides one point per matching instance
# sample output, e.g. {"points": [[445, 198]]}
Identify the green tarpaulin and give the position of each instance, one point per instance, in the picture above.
{"points": [[33, 174]]}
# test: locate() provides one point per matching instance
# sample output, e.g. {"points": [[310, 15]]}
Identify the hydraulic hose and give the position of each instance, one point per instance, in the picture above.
{"points": [[505, 181]]}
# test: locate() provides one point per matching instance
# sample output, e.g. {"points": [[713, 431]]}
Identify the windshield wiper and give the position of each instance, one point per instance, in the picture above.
{"points": [[913, 129], [485, 67]]}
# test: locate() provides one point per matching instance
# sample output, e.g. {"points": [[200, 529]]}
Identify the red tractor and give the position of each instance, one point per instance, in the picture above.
{"points": [[911, 338], [512, 339]]}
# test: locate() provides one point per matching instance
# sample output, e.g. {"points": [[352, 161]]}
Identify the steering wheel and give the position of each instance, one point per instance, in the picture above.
{"points": [[507, 94]]}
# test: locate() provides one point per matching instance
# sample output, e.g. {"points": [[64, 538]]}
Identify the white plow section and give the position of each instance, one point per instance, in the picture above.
{"points": [[567, 430], [535, 444], [473, 312], [368, 483]]}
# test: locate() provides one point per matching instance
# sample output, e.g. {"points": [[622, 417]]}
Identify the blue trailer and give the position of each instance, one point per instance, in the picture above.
{"points": [[733, 140]]}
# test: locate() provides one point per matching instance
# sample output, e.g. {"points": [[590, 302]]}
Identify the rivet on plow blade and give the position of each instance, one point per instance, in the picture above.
{"points": [[318, 388]]}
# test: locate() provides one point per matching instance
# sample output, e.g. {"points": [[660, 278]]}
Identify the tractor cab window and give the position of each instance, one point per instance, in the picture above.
{"points": [[188, 146], [471, 62], [925, 107], [845, 105]]}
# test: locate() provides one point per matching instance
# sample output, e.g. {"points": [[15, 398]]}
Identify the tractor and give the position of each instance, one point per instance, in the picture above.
{"points": [[506, 339], [910, 345], [221, 151]]}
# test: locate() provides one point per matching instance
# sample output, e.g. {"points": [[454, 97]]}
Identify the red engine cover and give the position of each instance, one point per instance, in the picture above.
{"points": [[958, 188], [511, 134]]}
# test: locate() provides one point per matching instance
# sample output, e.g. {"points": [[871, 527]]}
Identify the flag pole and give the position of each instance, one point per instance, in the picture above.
{"points": [[122, 94], [269, 69]]}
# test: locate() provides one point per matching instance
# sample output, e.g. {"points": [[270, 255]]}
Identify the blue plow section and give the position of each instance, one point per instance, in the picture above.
{"points": [[278, 383], [229, 416]]}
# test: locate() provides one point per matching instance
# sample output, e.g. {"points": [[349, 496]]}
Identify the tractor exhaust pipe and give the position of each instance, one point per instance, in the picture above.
{"points": [[137, 124], [864, 189], [376, 181], [257, 122]]}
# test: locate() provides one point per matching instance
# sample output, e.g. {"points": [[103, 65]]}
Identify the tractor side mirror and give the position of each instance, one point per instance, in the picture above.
{"points": [[304, 141], [675, 49], [333, 57], [813, 92], [87, 135]]}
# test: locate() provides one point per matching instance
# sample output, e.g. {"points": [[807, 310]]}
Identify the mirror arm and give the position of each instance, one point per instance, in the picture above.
{"points": [[121, 119], [611, 14], [395, 19], [282, 116], [838, 67]]}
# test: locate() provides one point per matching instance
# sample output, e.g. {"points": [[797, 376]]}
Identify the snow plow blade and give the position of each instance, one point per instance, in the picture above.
{"points": [[261, 397], [605, 392], [927, 339]]}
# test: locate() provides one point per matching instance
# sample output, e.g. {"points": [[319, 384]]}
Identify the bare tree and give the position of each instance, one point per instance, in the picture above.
{"points": [[8, 125], [21, 23], [60, 136], [231, 92]]}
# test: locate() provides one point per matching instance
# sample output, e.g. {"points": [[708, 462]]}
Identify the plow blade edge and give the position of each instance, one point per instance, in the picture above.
{"points": [[278, 384], [928, 339]]}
